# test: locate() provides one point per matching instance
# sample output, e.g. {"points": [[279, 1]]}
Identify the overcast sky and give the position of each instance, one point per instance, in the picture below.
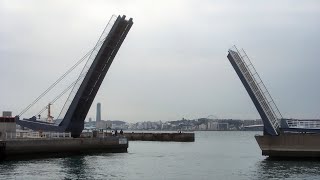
{"points": [[173, 62]]}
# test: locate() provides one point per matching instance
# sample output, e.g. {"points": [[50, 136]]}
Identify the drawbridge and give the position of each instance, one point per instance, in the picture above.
{"points": [[85, 88], [282, 138], [257, 91], [273, 122]]}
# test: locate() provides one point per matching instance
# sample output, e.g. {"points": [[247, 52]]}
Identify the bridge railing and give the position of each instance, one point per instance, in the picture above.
{"points": [[257, 86], [33, 135], [305, 124]]}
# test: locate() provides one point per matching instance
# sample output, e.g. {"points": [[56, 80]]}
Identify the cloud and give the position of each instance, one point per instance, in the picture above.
{"points": [[173, 62]]}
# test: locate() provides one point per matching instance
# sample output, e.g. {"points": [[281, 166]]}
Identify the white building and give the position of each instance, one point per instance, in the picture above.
{"points": [[202, 127]]}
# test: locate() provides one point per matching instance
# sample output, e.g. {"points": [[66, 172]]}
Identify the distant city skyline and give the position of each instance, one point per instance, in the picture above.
{"points": [[173, 63]]}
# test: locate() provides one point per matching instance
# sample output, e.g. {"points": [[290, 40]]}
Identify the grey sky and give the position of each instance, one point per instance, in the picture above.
{"points": [[173, 62]]}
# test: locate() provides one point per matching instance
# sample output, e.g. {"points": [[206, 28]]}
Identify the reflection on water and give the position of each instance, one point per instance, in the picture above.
{"points": [[214, 155], [87, 166], [285, 169], [75, 167], [6, 169]]}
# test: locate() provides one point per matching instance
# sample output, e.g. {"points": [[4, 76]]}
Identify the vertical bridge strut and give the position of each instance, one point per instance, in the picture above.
{"points": [[83, 93], [257, 91]]}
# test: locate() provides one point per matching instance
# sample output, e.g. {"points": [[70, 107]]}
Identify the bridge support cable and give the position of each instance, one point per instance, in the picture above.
{"points": [[256, 89], [55, 83], [88, 83], [99, 43], [58, 97], [85, 69]]}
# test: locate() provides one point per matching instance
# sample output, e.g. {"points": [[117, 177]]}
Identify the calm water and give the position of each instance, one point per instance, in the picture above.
{"points": [[214, 155]]}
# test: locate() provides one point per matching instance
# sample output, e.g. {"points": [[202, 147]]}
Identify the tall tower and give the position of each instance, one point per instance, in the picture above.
{"points": [[98, 116]]}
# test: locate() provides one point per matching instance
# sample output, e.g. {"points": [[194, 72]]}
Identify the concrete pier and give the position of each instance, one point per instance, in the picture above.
{"points": [[290, 145], [33, 148], [177, 137], [146, 136]]}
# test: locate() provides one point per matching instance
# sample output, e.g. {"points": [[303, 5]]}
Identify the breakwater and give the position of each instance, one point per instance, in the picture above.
{"points": [[146, 136], [177, 137]]}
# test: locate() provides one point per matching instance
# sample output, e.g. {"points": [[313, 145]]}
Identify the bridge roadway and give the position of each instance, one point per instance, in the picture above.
{"points": [[73, 121]]}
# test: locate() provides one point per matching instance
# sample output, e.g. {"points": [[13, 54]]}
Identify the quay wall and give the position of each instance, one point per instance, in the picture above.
{"points": [[149, 136], [177, 137], [41, 146]]}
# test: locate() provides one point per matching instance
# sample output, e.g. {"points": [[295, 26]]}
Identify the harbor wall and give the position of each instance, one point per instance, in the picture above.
{"points": [[41, 146], [177, 137], [149, 136]]}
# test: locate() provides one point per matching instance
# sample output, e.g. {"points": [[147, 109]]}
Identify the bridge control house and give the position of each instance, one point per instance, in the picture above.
{"points": [[7, 125]]}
